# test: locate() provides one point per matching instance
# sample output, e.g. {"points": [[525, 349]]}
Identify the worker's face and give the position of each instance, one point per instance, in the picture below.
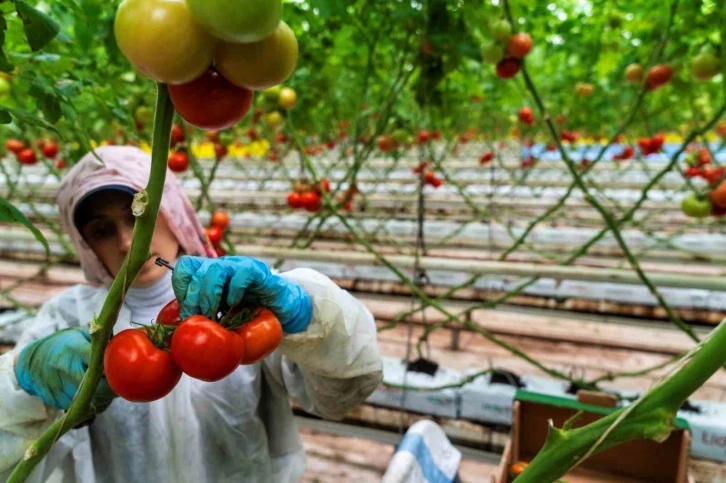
{"points": [[108, 230]]}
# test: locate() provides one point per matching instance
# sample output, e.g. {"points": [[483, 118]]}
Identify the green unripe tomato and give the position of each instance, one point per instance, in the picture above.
{"points": [[492, 52], [696, 207], [501, 30]]}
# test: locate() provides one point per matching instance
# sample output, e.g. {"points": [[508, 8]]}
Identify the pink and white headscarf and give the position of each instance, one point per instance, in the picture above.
{"points": [[130, 167]]}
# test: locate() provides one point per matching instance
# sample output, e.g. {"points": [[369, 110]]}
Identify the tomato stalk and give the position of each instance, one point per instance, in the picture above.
{"points": [[650, 417], [146, 209]]}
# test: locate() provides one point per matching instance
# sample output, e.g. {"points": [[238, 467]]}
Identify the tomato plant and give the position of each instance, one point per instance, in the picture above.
{"points": [[205, 350], [136, 369], [161, 39], [211, 101]]}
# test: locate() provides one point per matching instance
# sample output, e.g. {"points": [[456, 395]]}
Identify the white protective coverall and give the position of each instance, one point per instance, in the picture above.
{"points": [[236, 430]]}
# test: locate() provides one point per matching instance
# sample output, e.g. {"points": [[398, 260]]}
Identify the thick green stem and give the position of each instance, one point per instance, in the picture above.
{"points": [[650, 417], [102, 327]]}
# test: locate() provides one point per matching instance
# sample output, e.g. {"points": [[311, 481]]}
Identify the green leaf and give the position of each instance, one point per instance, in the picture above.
{"points": [[10, 214], [5, 117], [31, 119], [39, 28], [5, 64]]}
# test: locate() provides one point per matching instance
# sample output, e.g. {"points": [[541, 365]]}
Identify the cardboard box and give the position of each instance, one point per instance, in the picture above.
{"points": [[641, 461]]}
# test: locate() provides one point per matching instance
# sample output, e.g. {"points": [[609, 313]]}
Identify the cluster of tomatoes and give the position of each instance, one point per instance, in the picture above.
{"points": [[569, 136], [223, 55], [526, 116], [658, 75], [145, 364], [307, 196], [178, 161], [699, 165], [506, 50], [215, 231], [651, 145], [429, 177], [25, 154]]}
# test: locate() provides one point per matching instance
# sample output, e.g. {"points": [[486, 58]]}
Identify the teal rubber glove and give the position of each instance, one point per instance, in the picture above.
{"points": [[52, 369], [200, 285]]}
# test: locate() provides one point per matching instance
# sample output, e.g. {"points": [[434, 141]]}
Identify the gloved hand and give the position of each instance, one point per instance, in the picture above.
{"points": [[52, 369], [199, 285]]}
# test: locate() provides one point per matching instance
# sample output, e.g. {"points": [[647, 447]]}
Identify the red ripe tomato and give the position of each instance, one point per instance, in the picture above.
{"points": [[205, 350], [628, 152], [219, 251], [215, 234], [646, 145], [211, 101], [692, 172], [50, 150], [423, 136], [178, 161], [508, 68], [437, 135], [718, 195], [330, 144], [261, 336], [713, 175], [220, 219], [436, 182], [220, 150], [325, 184], [177, 134], [656, 142], [519, 45], [294, 200], [136, 370], [386, 144], [526, 115], [486, 157], [429, 177], [27, 156], [169, 314], [14, 145], [60, 164], [310, 201], [659, 75]]}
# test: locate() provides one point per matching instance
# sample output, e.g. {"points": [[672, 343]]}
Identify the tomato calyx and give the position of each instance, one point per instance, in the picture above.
{"points": [[159, 335], [236, 318]]}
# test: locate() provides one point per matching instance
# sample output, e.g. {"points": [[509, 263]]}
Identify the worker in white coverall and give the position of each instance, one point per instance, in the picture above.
{"points": [[238, 429]]}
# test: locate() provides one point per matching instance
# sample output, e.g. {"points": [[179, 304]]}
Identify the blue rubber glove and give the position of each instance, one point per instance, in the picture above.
{"points": [[52, 369], [200, 284]]}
